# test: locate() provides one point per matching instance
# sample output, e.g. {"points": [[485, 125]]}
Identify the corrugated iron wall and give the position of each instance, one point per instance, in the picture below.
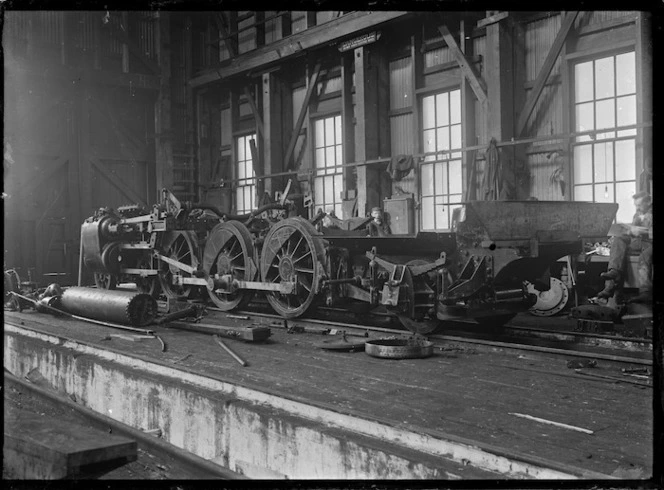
{"points": [[401, 125], [437, 56], [547, 116], [78, 143]]}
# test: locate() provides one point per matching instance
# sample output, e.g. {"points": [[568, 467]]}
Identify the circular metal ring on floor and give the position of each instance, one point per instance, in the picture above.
{"points": [[399, 348]]}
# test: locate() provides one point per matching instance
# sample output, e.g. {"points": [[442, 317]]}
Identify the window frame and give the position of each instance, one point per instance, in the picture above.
{"points": [[320, 173], [246, 183], [442, 163], [613, 141]]}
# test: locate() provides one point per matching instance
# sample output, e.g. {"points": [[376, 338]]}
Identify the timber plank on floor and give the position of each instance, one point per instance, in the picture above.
{"points": [[46, 448]]}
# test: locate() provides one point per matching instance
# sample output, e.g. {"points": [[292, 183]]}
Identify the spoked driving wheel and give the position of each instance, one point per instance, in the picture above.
{"points": [[180, 246], [293, 251], [104, 280], [228, 256]]}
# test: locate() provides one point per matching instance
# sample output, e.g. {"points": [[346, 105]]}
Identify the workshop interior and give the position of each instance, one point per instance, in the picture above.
{"points": [[329, 245]]}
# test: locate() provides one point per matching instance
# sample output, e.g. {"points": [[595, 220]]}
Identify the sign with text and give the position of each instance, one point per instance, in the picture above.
{"points": [[356, 42]]}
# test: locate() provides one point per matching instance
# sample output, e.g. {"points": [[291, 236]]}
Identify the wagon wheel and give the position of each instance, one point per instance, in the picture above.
{"points": [[104, 280], [229, 250], [180, 246], [421, 296], [148, 284], [291, 249]]}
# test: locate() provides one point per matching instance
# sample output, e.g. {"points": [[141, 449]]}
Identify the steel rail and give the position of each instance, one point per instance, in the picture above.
{"points": [[436, 337], [203, 468]]}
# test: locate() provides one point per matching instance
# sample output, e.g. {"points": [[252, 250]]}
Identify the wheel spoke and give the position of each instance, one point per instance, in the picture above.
{"points": [[306, 271], [181, 244], [302, 257], [298, 244]]}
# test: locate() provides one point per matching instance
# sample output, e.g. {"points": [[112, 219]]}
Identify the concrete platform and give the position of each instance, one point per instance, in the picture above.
{"points": [[45, 448], [299, 412]]}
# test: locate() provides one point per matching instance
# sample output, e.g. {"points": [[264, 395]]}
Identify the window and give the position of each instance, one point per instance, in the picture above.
{"points": [[245, 190], [440, 173], [328, 178], [605, 162]]}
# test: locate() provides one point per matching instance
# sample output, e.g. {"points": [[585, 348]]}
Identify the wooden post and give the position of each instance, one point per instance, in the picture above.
{"points": [[189, 99], [82, 196], [371, 114], [417, 64], [273, 134], [644, 97], [347, 121], [163, 128], [501, 82], [468, 135]]}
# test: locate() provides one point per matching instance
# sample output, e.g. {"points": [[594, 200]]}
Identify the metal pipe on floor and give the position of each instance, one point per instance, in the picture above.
{"points": [[42, 306], [124, 307]]}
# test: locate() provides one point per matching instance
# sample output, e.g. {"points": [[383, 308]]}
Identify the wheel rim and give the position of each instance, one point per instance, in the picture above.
{"points": [[292, 248], [105, 281], [149, 284], [180, 246], [229, 250]]}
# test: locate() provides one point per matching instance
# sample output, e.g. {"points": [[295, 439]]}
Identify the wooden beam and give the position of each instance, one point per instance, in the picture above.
{"points": [[323, 34], [550, 60], [476, 82], [119, 184], [230, 41], [300, 119], [492, 19], [254, 110]]}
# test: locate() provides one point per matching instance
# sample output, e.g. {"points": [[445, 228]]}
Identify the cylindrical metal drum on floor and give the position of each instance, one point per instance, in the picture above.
{"points": [[125, 307]]}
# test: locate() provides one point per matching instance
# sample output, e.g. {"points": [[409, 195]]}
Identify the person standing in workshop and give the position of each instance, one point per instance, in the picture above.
{"points": [[377, 226], [638, 240]]}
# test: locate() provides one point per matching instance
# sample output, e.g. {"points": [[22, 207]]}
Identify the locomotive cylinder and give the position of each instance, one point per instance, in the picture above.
{"points": [[125, 307]]}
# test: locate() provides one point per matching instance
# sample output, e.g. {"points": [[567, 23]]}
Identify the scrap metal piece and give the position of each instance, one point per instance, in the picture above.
{"points": [[227, 349], [399, 348], [549, 302], [343, 345], [124, 307]]}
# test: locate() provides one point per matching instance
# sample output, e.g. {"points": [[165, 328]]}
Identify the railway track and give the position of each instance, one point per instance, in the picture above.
{"points": [[591, 346]]}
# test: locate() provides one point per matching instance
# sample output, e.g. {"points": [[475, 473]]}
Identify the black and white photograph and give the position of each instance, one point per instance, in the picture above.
{"points": [[400, 244]]}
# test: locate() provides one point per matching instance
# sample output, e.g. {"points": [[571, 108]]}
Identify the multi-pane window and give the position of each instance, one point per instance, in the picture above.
{"points": [[246, 188], [328, 177], [605, 162], [441, 173]]}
